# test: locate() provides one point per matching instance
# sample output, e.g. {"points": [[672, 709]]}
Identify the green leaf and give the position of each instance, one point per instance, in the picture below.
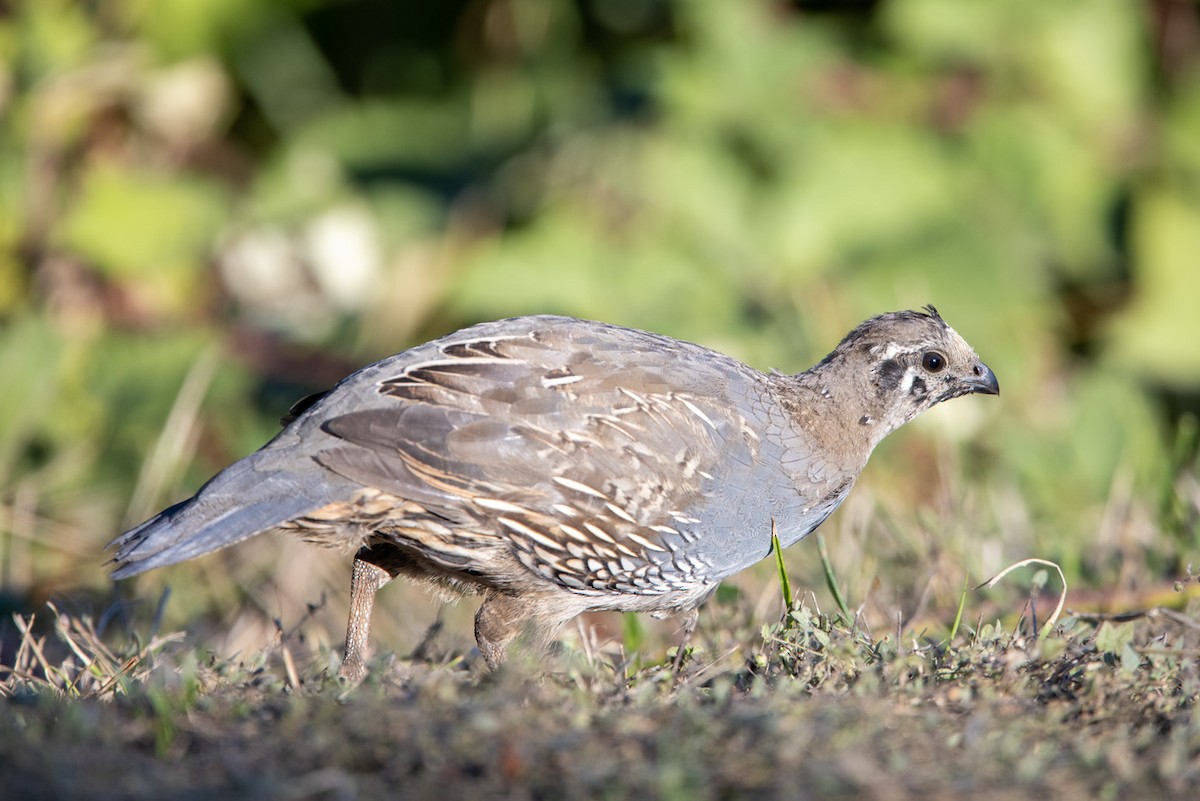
{"points": [[1112, 638]]}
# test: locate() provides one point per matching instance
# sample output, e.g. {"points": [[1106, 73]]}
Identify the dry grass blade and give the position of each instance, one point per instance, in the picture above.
{"points": [[177, 438], [89, 669], [33, 648], [73, 631], [1062, 598], [293, 678]]}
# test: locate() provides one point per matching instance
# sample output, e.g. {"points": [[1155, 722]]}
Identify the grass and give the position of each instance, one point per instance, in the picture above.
{"points": [[889, 678], [807, 706]]}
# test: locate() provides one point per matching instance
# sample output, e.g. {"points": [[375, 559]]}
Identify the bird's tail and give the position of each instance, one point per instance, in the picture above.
{"points": [[237, 503]]}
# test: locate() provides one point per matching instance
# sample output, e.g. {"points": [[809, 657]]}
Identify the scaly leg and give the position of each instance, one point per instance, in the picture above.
{"points": [[690, 618], [368, 578]]}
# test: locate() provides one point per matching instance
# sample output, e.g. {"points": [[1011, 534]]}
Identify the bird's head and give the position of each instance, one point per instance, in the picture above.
{"points": [[906, 362]]}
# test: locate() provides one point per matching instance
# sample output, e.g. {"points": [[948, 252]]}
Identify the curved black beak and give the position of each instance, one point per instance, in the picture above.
{"points": [[983, 380]]}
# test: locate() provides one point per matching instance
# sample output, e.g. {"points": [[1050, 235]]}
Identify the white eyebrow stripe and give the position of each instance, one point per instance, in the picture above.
{"points": [[890, 351]]}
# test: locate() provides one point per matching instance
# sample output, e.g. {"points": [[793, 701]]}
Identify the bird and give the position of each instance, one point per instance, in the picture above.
{"points": [[556, 465]]}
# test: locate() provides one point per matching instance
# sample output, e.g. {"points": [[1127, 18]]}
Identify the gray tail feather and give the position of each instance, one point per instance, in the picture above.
{"points": [[235, 505]]}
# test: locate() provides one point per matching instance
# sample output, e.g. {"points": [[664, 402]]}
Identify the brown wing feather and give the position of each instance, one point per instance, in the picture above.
{"points": [[587, 468]]}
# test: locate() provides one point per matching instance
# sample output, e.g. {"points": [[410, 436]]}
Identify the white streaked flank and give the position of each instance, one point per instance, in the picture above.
{"points": [[558, 381], [565, 511], [532, 533], [645, 543], [696, 410], [500, 506], [600, 533], [621, 513], [573, 533], [578, 486]]}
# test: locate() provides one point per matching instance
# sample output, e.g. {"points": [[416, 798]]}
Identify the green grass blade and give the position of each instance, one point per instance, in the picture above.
{"points": [[831, 580], [633, 633], [784, 583], [962, 604]]}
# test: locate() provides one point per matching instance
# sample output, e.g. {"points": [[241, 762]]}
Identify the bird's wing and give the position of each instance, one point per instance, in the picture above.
{"points": [[589, 448]]}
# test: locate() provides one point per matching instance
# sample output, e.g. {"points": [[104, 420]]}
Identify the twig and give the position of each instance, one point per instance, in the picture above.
{"points": [[1136, 614]]}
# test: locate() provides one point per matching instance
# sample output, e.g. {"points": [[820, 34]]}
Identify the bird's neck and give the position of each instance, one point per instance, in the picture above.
{"points": [[843, 416]]}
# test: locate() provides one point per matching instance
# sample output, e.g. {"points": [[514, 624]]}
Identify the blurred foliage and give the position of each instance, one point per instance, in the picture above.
{"points": [[316, 183]]}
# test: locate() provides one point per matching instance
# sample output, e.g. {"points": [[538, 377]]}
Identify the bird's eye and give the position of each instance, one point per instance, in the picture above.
{"points": [[933, 361]]}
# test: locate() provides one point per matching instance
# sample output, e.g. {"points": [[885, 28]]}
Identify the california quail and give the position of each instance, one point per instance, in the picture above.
{"points": [[558, 465]]}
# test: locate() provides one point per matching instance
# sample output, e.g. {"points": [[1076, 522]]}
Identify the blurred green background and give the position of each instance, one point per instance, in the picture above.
{"points": [[211, 207]]}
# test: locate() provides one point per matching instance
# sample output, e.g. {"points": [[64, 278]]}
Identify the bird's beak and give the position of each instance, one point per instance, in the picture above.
{"points": [[984, 380]]}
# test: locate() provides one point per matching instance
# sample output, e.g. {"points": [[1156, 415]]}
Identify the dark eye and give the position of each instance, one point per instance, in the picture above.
{"points": [[933, 361]]}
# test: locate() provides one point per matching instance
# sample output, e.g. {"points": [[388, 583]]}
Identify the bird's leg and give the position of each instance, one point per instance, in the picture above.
{"points": [[690, 619], [368, 578], [498, 621]]}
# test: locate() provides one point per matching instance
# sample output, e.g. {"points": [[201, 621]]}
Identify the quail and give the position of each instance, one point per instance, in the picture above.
{"points": [[557, 465]]}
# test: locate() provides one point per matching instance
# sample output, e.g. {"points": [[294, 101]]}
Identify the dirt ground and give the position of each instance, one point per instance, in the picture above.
{"points": [[806, 709]]}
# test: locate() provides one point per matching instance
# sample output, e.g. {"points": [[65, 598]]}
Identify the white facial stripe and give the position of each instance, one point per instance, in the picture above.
{"points": [[889, 351]]}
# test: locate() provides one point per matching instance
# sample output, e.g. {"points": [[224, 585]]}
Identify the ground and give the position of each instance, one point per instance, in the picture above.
{"points": [[805, 706]]}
